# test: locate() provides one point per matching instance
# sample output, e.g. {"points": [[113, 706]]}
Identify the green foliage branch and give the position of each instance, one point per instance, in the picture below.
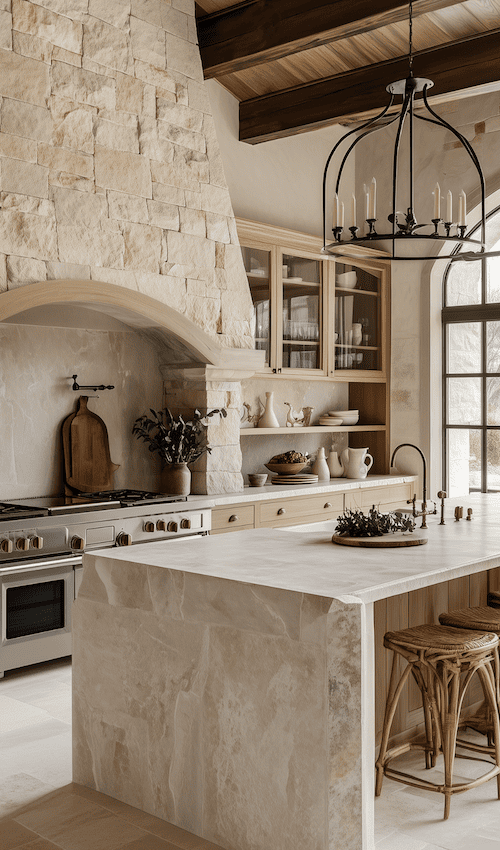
{"points": [[174, 438], [373, 524]]}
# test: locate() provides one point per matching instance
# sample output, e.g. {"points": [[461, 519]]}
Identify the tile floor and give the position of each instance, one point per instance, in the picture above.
{"points": [[41, 809]]}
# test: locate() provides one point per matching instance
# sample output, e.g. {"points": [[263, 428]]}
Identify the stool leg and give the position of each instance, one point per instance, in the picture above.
{"points": [[490, 695], [450, 700], [424, 683], [390, 709]]}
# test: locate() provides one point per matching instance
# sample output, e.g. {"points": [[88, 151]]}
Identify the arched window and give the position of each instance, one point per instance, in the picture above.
{"points": [[471, 371]]}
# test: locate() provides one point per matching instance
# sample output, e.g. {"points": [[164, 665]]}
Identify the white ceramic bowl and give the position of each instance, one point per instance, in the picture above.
{"points": [[350, 420], [343, 413], [347, 280]]}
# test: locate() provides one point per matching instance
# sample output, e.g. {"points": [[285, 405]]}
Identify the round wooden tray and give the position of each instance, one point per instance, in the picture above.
{"points": [[390, 540]]}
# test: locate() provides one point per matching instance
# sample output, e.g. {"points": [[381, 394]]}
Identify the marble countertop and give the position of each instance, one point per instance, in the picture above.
{"points": [[303, 559], [274, 491]]}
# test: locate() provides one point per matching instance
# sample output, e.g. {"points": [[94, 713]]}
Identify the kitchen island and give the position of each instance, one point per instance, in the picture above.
{"points": [[225, 683]]}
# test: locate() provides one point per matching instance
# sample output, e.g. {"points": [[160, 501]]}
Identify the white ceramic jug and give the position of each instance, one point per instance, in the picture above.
{"points": [[268, 418], [335, 465], [356, 462]]}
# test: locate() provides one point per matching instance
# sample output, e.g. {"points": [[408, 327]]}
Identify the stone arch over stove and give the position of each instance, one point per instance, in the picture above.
{"points": [[197, 372]]}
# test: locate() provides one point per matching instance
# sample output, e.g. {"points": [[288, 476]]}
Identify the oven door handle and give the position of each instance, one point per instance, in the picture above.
{"points": [[45, 564]]}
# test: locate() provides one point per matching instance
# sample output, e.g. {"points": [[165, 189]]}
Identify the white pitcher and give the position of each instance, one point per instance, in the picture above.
{"points": [[335, 465], [356, 462]]}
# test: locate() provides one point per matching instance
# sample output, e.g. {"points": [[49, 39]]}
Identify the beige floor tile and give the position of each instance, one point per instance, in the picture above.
{"points": [[13, 834], [15, 714], [76, 824], [20, 790], [149, 842]]}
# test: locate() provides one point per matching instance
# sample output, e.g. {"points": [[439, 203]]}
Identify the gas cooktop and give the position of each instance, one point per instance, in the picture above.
{"points": [[103, 500]]}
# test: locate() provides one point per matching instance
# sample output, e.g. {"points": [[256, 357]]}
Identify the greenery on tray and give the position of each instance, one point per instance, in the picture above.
{"points": [[372, 524], [174, 438]]}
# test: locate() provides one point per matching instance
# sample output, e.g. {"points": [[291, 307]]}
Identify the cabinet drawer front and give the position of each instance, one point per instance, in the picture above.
{"points": [[290, 511], [232, 518], [390, 497]]}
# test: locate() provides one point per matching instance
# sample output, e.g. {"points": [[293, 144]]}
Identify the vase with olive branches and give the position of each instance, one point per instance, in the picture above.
{"points": [[178, 441]]}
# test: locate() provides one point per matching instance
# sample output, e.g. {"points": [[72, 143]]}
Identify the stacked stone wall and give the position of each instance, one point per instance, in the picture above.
{"points": [[109, 163]]}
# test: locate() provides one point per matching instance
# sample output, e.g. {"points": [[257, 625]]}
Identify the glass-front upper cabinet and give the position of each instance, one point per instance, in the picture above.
{"points": [[315, 316], [302, 313], [359, 319]]}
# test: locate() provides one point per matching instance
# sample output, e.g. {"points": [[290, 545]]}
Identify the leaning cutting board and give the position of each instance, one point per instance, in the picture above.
{"points": [[87, 463]]}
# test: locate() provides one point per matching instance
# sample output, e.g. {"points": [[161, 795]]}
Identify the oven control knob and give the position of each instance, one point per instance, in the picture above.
{"points": [[23, 544], [172, 526], [149, 526], [185, 523], [36, 542], [161, 525], [124, 539], [6, 545], [77, 543]]}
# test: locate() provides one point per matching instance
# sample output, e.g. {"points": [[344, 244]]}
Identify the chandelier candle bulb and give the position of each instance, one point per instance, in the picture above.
{"points": [[367, 201], [335, 220], [449, 206], [341, 221], [353, 210], [372, 200], [462, 208], [437, 201]]}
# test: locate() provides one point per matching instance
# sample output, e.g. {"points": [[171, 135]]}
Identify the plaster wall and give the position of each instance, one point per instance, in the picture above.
{"points": [[35, 378], [277, 182]]}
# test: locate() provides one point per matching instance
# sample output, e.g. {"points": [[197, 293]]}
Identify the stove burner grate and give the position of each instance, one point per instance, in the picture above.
{"points": [[129, 498], [14, 511]]}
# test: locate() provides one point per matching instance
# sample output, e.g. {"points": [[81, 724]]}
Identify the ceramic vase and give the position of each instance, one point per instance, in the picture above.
{"points": [[335, 465], [268, 418], [320, 466], [176, 479], [357, 333]]}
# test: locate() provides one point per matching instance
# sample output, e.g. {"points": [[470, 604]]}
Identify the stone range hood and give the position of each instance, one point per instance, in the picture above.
{"points": [[113, 195]]}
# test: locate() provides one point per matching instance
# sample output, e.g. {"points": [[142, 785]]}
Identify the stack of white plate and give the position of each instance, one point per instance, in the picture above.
{"points": [[295, 480], [330, 419], [340, 417]]}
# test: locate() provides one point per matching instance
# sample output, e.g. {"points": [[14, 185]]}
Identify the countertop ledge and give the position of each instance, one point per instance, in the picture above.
{"points": [[274, 491], [304, 560]]}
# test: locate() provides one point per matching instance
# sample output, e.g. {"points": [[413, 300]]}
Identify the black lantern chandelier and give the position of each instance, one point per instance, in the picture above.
{"points": [[405, 233]]}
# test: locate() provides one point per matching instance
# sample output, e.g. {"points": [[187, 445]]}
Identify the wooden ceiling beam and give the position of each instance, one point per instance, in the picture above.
{"points": [[259, 31], [460, 65]]}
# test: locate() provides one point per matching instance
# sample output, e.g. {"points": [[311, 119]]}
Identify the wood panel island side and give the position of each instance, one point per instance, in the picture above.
{"points": [[226, 684]]}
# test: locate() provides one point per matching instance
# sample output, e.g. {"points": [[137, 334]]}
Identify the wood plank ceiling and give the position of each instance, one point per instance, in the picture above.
{"points": [[295, 65]]}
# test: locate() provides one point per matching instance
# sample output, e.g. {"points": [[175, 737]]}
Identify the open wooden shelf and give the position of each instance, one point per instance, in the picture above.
{"points": [[311, 429]]}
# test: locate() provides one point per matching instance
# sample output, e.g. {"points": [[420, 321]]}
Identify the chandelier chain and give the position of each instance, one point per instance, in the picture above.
{"points": [[410, 36]]}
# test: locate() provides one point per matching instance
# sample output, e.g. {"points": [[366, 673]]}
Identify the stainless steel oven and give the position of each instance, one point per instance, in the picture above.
{"points": [[42, 542]]}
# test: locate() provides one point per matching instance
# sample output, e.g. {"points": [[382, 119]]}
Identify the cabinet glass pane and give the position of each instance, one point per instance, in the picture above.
{"points": [[357, 319], [301, 328], [257, 267]]}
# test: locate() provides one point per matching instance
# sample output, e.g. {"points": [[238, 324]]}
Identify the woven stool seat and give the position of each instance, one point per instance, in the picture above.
{"points": [[439, 638], [494, 598], [443, 660], [481, 617]]}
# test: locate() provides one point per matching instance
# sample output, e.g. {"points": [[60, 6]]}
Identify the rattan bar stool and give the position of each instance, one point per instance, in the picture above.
{"points": [[437, 657], [486, 619]]}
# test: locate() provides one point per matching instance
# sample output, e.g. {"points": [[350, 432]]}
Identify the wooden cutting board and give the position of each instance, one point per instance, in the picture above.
{"points": [[385, 541], [87, 463]]}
